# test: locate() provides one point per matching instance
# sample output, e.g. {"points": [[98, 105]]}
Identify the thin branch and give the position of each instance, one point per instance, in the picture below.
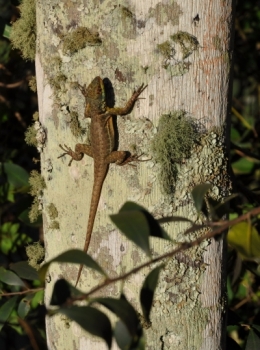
{"points": [[27, 291], [182, 247]]}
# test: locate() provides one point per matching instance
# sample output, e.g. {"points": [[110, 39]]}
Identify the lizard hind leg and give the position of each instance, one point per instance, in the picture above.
{"points": [[78, 154], [123, 157]]}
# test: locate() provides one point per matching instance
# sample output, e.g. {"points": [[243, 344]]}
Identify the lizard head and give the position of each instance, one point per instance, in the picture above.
{"points": [[95, 98]]}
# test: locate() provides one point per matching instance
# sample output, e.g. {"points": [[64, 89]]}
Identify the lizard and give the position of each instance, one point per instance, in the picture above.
{"points": [[102, 143]]}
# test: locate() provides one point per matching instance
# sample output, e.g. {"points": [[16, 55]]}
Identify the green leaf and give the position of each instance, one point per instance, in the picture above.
{"points": [[155, 229], [245, 239], [234, 135], [230, 293], [24, 217], [37, 299], [124, 310], [243, 166], [74, 256], [256, 327], [61, 292], [147, 291], [122, 335], [174, 219], [24, 306], [134, 226], [124, 339], [253, 341], [7, 31], [92, 320], [16, 175], [198, 193], [10, 278], [6, 309], [137, 225], [25, 271]]}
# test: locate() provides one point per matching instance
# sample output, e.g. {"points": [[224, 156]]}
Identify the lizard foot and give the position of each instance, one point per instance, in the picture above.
{"points": [[74, 155], [138, 92], [134, 158]]}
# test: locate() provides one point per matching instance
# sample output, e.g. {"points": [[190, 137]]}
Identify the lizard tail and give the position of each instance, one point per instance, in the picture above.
{"points": [[99, 177]]}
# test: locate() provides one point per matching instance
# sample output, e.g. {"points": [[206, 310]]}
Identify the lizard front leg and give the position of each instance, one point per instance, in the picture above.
{"points": [[129, 104], [78, 154]]}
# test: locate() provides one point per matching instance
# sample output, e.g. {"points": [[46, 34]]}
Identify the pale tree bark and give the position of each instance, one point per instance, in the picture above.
{"points": [[189, 71]]}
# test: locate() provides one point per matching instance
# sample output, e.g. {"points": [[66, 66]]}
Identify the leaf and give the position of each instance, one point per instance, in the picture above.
{"points": [[6, 309], [243, 166], [24, 306], [231, 344], [137, 224], [24, 217], [155, 229], [7, 31], [25, 271], [124, 310], [242, 119], [92, 320], [122, 335], [174, 219], [198, 193], [74, 256], [234, 135], [10, 278], [124, 339], [256, 327], [38, 299], [134, 226], [16, 175], [61, 292], [253, 341], [147, 291], [245, 239]]}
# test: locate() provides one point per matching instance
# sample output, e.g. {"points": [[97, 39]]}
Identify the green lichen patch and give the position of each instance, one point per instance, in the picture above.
{"points": [[36, 182], [176, 50], [217, 43], [80, 38], [54, 225], [23, 34], [30, 136], [35, 253], [56, 77], [37, 185], [127, 22], [57, 81], [52, 211], [32, 83], [36, 116], [35, 210], [172, 144], [165, 49], [188, 43], [165, 13], [75, 127]]}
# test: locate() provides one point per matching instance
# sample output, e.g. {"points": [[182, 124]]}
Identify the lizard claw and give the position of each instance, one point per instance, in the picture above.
{"points": [[68, 150], [134, 158], [139, 90]]}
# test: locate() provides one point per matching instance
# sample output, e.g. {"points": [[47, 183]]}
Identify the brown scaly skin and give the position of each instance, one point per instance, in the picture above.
{"points": [[102, 137]]}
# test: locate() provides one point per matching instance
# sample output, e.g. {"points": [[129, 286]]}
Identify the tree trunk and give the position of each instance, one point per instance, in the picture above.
{"points": [[182, 50]]}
